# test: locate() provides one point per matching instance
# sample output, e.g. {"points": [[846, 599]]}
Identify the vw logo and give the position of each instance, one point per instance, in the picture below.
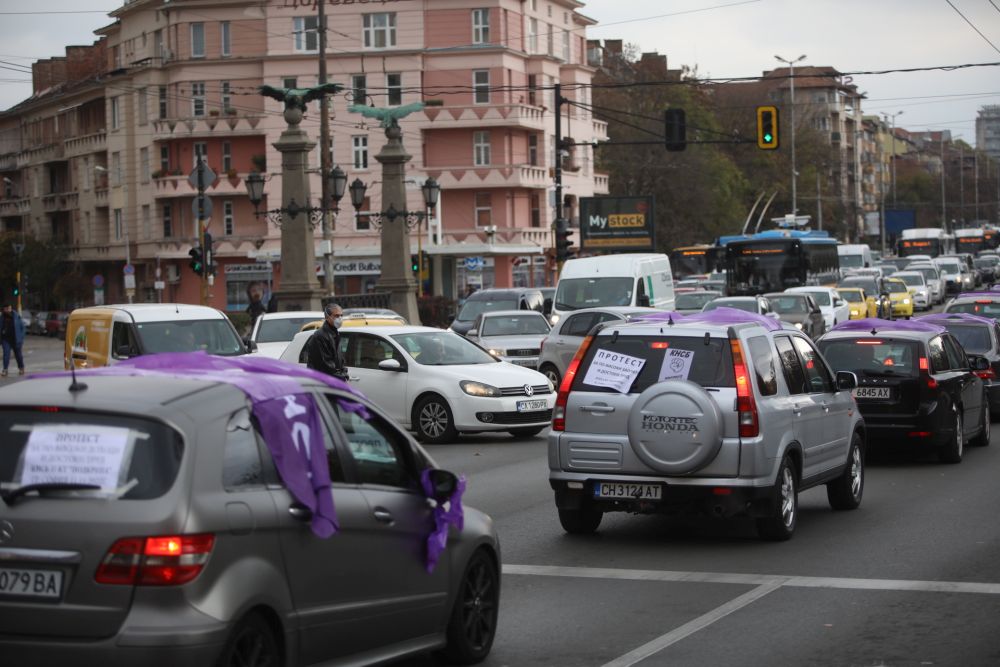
{"points": [[529, 390], [6, 531]]}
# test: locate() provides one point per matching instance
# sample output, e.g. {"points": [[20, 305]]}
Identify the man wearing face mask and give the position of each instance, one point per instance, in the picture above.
{"points": [[324, 353]]}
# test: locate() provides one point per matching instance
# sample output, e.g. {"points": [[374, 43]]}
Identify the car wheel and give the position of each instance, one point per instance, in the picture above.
{"points": [[473, 621], [785, 513], [251, 644], [552, 373], [433, 420], [844, 493], [983, 439], [526, 432], [952, 452], [583, 521]]}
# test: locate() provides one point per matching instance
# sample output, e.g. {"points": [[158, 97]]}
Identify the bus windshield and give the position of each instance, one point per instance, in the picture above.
{"points": [[763, 267]]}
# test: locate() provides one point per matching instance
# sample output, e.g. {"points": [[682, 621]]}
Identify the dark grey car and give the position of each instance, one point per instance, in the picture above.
{"points": [[203, 557], [799, 310]]}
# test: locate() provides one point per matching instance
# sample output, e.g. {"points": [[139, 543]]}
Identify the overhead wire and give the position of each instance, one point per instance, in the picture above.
{"points": [[973, 26]]}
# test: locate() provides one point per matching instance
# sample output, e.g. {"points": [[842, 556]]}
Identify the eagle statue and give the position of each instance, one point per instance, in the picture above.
{"points": [[298, 98]]}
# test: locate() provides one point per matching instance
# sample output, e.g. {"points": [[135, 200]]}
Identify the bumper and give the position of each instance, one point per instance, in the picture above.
{"points": [[993, 396], [524, 362], [902, 310], [471, 413], [925, 429]]}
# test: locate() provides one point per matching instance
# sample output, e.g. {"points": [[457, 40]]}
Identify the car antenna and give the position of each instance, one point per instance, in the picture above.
{"points": [[874, 331], [75, 386], [708, 339], [177, 309], [670, 319]]}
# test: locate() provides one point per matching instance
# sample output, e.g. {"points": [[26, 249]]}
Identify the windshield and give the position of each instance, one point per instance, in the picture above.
{"points": [[896, 287], [281, 330], [788, 304], [981, 307], [443, 348], [868, 286], [473, 308], [693, 301], [749, 305], [530, 323], [912, 281], [212, 336], [821, 298], [574, 293], [975, 339], [986, 262], [852, 261], [949, 267], [927, 272], [851, 295], [872, 356], [759, 267]]}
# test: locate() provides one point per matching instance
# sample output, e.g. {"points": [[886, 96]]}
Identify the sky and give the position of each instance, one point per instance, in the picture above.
{"points": [[721, 38]]}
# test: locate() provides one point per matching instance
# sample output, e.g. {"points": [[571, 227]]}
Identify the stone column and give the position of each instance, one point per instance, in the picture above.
{"points": [[397, 278], [300, 288]]}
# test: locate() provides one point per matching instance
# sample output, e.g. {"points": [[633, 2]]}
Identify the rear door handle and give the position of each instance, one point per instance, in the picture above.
{"points": [[597, 408], [826, 407], [382, 515], [300, 512], [797, 409]]}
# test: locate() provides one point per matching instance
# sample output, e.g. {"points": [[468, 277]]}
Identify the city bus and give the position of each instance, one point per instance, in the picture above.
{"points": [[970, 240], [776, 260], [695, 260], [925, 241]]}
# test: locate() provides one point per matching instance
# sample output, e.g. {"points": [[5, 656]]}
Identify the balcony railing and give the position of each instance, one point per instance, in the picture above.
{"points": [[18, 206], [177, 185], [485, 115], [601, 184], [492, 176], [101, 197], [88, 143], [202, 126], [60, 201], [600, 130]]}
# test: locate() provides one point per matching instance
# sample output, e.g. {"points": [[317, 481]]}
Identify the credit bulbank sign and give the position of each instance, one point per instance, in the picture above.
{"points": [[617, 223]]}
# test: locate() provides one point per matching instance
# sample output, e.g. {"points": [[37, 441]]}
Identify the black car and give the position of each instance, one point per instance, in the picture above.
{"points": [[978, 336], [915, 384], [496, 298]]}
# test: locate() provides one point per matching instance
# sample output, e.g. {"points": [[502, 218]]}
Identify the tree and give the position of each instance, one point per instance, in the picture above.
{"points": [[42, 264]]}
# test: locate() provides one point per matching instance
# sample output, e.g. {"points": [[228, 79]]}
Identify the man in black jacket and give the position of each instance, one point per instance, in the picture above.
{"points": [[324, 346]]}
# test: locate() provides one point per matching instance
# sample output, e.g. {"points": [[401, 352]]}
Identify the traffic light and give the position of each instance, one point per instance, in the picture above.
{"points": [[675, 129], [209, 254], [415, 263], [562, 242], [767, 128], [17, 291], [197, 262]]}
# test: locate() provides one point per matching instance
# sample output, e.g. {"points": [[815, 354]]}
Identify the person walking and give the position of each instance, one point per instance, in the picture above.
{"points": [[12, 335], [324, 353]]}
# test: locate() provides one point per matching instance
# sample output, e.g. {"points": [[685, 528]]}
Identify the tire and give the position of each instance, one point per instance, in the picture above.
{"points": [[251, 644], [527, 432], [433, 421], [583, 521], [952, 452], [780, 526], [983, 439], [473, 622], [552, 373], [845, 492]]}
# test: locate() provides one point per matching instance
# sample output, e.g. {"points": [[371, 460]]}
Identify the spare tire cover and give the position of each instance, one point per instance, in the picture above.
{"points": [[675, 427]]}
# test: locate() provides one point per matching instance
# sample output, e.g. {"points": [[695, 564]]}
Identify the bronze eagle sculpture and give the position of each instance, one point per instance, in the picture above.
{"points": [[297, 98]]}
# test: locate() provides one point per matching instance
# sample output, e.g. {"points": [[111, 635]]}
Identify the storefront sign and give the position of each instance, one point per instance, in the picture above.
{"points": [[260, 267], [357, 267], [617, 223]]}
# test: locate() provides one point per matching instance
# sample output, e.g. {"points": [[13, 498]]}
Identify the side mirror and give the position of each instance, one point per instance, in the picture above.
{"points": [[251, 346], [390, 365], [444, 484], [979, 363], [846, 380], [123, 352], [471, 333], [547, 306], [837, 303]]}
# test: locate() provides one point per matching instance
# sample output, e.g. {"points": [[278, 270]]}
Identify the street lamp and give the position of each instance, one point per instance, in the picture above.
{"points": [[791, 78], [887, 116], [336, 179]]}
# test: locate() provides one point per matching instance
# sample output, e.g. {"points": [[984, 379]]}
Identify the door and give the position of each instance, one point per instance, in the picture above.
{"points": [[387, 389], [833, 435], [970, 384], [807, 413], [571, 334]]}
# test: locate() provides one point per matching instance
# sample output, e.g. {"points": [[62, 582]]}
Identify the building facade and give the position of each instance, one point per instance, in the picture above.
{"points": [[988, 131]]}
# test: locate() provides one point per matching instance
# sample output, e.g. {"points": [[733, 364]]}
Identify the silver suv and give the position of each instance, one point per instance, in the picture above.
{"points": [[725, 413]]}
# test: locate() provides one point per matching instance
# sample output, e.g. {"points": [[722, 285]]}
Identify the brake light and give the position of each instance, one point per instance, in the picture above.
{"points": [[987, 374], [867, 342], [745, 406], [559, 413], [923, 364], [659, 345], [169, 560], [987, 301], [925, 371]]}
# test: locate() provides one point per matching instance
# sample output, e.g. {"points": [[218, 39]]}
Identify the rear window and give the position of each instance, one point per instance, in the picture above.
{"points": [[873, 356], [974, 339], [707, 362], [128, 458], [213, 336], [987, 309], [281, 330], [821, 298], [692, 301]]}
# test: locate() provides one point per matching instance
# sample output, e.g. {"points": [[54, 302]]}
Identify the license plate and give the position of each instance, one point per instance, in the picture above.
{"points": [[872, 392], [632, 491], [528, 406], [524, 362], [31, 583]]}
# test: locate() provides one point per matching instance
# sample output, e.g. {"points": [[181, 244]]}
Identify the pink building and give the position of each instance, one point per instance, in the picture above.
{"points": [[179, 83]]}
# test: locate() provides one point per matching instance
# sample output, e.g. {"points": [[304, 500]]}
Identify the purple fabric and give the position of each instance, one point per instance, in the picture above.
{"points": [[880, 325], [286, 412], [944, 319], [986, 295], [452, 515], [720, 316]]}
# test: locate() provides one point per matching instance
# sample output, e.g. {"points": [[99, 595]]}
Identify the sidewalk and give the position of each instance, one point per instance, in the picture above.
{"points": [[40, 354]]}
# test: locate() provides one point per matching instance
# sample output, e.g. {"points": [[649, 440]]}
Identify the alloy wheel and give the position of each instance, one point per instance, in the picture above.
{"points": [[479, 604], [787, 497], [434, 419], [857, 468]]}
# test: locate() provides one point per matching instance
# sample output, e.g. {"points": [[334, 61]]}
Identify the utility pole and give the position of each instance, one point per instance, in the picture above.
{"points": [[562, 227], [975, 179], [201, 229], [944, 205], [961, 184], [324, 155], [791, 79], [819, 204]]}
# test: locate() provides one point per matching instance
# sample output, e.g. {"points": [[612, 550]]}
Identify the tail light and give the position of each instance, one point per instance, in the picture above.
{"points": [[559, 414], [169, 560], [925, 371], [745, 405], [987, 374]]}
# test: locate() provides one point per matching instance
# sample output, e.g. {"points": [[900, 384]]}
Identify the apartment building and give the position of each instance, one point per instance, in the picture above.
{"points": [[988, 130], [177, 84]]}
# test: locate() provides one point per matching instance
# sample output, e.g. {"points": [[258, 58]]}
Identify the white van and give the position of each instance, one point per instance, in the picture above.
{"points": [[854, 256], [638, 279]]}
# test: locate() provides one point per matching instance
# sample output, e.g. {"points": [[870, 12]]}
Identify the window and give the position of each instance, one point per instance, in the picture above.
{"points": [[164, 159], [790, 366], [532, 35], [116, 116], [241, 466], [381, 453], [360, 151], [158, 50], [362, 222], [226, 39], [166, 216], [550, 36], [116, 168], [368, 351], [533, 150], [306, 33], [818, 378], [481, 86], [9, 185], [532, 90], [290, 82], [481, 148], [197, 40], [118, 224], [359, 84], [198, 98], [143, 107], [227, 156], [162, 102], [957, 360], [228, 223], [199, 152], [144, 164], [484, 209], [566, 46], [480, 26], [379, 30], [579, 325], [939, 358], [227, 96], [394, 89], [536, 210], [147, 232], [122, 336]]}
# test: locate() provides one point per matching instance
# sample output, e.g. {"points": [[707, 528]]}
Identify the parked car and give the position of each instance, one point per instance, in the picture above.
{"points": [[511, 335], [272, 332], [917, 285], [916, 386], [190, 548], [978, 336], [834, 308], [563, 341], [799, 310], [55, 324], [37, 324], [658, 417], [493, 299], [692, 302], [750, 304]]}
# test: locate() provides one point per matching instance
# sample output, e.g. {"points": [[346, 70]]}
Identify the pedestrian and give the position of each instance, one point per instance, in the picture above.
{"points": [[324, 353], [255, 295], [12, 335]]}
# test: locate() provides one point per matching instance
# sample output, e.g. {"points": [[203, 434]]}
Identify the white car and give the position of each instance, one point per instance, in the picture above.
{"points": [[438, 383], [273, 331], [835, 310], [918, 287], [511, 335], [932, 276]]}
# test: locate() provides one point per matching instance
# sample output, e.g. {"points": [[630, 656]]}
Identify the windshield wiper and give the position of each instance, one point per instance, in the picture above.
{"points": [[11, 496]]}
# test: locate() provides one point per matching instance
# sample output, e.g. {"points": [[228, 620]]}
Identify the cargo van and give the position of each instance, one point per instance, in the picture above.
{"points": [[105, 335], [637, 279], [854, 256]]}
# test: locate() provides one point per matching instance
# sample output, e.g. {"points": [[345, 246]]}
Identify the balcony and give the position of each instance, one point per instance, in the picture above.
{"points": [[601, 184], [177, 185], [505, 241], [101, 197], [86, 144], [494, 176], [39, 154], [97, 252], [243, 124], [483, 115], [60, 201], [15, 206], [600, 130]]}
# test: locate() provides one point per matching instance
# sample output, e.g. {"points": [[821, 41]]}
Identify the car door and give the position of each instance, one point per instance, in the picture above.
{"points": [[385, 388], [807, 413], [833, 434], [571, 333], [971, 385]]}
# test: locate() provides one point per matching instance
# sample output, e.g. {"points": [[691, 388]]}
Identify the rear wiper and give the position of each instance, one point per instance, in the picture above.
{"points": [[887, 371], [11, 496]]}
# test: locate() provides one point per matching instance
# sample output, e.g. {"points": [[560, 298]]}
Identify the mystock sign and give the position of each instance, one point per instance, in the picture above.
{"points": [[617, 223]]}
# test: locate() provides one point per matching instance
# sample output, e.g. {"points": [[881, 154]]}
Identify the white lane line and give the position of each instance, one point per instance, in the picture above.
{"points": [[651, 648], [982, 588]]}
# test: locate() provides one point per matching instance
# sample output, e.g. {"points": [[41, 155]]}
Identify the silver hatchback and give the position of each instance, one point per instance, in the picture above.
{"points": [[724, 413], [143, 522]]}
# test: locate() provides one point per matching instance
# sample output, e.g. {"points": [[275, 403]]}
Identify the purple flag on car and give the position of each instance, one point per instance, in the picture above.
{"points": [[722, 316], [452, 515], [885, 326]]}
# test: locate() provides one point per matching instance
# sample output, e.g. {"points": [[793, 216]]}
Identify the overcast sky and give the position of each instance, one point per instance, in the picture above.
{"points": [[722, 38]]}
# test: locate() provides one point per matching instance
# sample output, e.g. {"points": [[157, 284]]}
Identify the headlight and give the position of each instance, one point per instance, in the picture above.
{"points": [[906, 302], [798, 325], [553, 319], [552, 387], [855, 311], [478, 389], [495, 352]]}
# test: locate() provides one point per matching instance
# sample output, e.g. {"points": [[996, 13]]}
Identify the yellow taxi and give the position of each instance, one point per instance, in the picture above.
{"points": [[859, 303], [360, 320], [899, 295]]}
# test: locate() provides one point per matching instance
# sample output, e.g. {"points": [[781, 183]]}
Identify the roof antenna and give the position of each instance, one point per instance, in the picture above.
{"points": [[75, 386], [874, 331], [670, 319]]}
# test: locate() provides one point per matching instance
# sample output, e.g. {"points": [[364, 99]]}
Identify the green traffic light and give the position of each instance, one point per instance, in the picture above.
{"points": [[767, 137]]}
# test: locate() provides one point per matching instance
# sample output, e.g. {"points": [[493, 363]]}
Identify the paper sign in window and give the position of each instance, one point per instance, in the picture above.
{"points": [[676, 364], [613, 369], [78, 455]]}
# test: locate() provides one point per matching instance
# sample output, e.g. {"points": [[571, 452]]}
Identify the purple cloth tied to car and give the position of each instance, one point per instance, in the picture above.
{"points": [[452, 515], [944, 319], [880, 325], [722, 316]]}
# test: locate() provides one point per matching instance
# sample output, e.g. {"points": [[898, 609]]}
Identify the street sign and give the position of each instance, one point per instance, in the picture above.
{"points": [[129, 270], [98, 281], [129, 281], [207, 175], [207, 211], [98, 297], [474, 263], [159, 284]]}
